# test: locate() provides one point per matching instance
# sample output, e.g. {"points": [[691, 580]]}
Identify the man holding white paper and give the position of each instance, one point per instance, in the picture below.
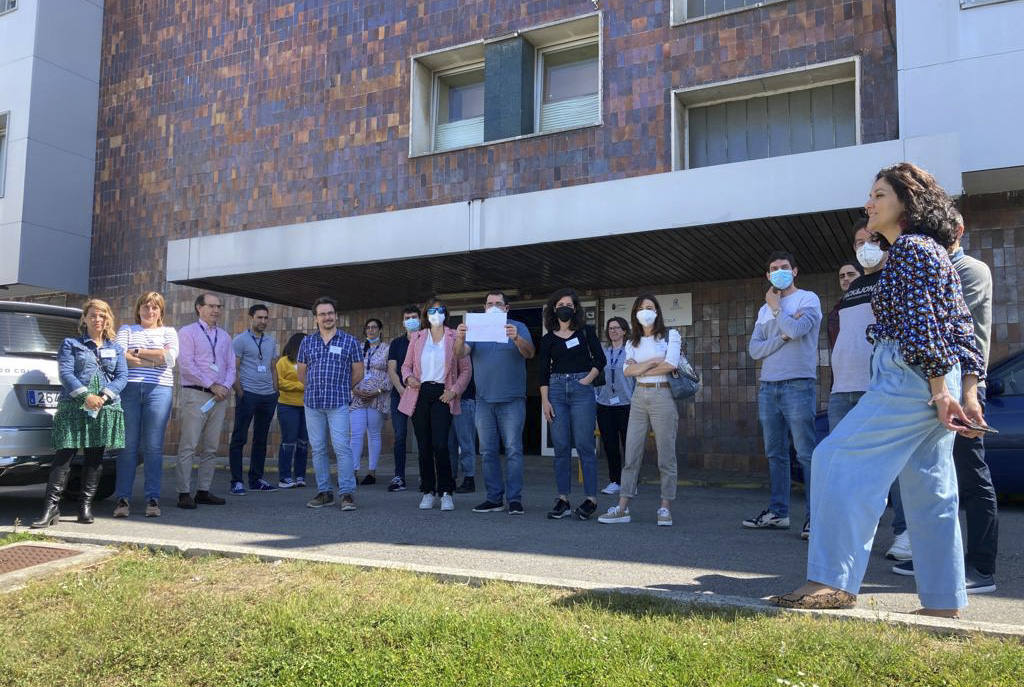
{"points": [[499, 370]]}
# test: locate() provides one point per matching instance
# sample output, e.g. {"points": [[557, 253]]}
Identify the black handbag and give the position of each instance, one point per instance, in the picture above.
{"points": [[599, 380], [683, 382]]}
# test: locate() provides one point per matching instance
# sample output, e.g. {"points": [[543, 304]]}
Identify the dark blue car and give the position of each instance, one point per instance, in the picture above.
{"points": [[1004, 410]]}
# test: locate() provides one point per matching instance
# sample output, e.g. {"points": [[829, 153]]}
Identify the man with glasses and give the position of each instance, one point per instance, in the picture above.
{"points": [[499, 370], [330, 364], [206, 369], [255, 399]]}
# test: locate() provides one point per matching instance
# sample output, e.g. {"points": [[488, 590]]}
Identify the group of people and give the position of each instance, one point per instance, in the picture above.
{"points": [[907, 398]]}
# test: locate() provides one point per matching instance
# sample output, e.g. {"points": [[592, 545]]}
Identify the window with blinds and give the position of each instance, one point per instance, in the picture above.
{"points": [[570, 80], [769, 126], [702, 8], [459, 119], [4, 117]]}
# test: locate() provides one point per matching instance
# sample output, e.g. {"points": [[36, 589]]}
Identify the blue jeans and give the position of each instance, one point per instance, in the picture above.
{"points": [[575, 420], [147, 407], [333, 422], [257, 410], [400, 426], [892, 431], [462, 440], [291, 457], [839, 404], [784, 408], [500, 424]]}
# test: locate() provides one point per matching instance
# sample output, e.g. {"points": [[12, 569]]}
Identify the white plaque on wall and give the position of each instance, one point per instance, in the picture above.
{"points": [[676, 308]]}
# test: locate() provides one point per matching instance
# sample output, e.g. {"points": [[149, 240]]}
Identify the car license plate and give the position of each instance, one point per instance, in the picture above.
{"points": [[43, 399]]}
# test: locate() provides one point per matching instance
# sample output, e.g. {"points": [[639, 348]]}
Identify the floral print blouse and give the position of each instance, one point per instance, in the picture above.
{"points": [[918, 302], [375, 378]]}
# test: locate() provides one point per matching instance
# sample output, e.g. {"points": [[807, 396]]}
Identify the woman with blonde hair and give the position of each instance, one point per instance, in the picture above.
{"points": [[151, 349], [89, 417]]}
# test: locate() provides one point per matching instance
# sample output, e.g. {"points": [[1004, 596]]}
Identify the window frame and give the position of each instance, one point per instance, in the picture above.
{"points": [[971, 4], [6, 7], [5, 138], [678, 17], [538, 82], [759, 86], [435, 101]]}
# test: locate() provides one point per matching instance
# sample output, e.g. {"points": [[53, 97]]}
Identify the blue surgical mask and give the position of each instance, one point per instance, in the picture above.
{"points": [[781, 279], [412, 324], [374, 341]]}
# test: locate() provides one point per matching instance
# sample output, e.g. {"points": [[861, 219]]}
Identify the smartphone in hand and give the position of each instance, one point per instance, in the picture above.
{"points": [[974, 426]]}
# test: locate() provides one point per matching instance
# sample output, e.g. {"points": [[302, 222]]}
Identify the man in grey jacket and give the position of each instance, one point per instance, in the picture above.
{"points": [[785, 339], [977, 495]]}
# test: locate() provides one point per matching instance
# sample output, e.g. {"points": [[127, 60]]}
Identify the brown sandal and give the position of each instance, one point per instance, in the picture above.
{"points": [[836, 598]]}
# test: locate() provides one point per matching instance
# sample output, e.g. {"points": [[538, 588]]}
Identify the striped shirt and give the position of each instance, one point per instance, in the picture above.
{"points": [[132, 336], [328, 369]]}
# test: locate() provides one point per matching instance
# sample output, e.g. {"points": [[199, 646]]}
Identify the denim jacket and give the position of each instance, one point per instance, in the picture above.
{"points": [[79, 359]]}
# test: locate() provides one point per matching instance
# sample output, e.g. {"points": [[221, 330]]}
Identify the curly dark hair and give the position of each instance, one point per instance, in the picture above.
{"points": [[578, 318], [291, 349], [928, 209], [621, 321]]}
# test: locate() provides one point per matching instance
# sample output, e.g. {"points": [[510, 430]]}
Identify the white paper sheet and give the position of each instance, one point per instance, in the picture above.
{"points": [[486, 327]]}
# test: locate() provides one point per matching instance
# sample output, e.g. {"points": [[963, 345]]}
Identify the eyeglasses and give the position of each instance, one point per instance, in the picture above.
{"points": [[325, 314], [436, 311]]}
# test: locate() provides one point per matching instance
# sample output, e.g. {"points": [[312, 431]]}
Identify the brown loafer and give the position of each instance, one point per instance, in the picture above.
{"points": [[186, 501], [835, 598], [209, 499]]}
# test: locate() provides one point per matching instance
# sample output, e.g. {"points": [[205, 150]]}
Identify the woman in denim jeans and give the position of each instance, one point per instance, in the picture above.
{"points": [[89, 417], [570, 360], [291, 416], [924, 355], [151, 350]]}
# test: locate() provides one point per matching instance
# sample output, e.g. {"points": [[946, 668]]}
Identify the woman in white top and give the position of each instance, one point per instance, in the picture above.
{"points": [[151, 350], [652, 353]]}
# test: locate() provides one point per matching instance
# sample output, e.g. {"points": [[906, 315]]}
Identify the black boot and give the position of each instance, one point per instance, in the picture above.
{"points": [[91, 472], [54, 490]]}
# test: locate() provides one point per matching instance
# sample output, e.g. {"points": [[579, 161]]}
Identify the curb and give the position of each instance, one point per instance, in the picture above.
{"points": [[89, 554], [466, 576]]}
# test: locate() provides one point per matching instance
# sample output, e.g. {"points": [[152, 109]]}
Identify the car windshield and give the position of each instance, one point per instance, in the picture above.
{"points": [[37, 336]]}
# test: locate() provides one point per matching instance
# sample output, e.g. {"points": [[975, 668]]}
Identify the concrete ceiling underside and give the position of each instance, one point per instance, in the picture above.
{"points": [[820, 241]]}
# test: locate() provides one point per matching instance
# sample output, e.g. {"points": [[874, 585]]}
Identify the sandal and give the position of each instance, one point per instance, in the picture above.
{"points": [[835, 598]]}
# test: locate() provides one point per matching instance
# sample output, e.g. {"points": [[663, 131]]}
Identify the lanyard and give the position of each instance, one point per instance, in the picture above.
{"points": [[259, 344], [213, 341], [369, 355], [614, 361]]}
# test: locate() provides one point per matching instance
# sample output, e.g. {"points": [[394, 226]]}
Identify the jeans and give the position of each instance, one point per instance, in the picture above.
{"points": [[291, 457], [575, 420], [500, 424], [839, 404], [977, 496], [432, 420], [258, 410], [787, 407], [320, 422], [400, 426], [462, 440], [612, 421], [366, 422], [892, 431], [147, 407]]}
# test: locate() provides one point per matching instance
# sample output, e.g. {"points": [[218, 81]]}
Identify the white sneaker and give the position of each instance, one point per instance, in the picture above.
{"points": [[286, 483], [427, 502], [447, 502], [900, 549], [614, 516], [612, 489], [767, 519], [664, 517]]}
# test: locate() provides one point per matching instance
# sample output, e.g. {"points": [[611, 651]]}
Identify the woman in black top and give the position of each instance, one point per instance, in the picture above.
{"points": [[570, 360]]}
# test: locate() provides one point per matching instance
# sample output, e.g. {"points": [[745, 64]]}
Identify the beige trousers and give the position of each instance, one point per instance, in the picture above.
{"points": [[200, 434], [655, 409]]}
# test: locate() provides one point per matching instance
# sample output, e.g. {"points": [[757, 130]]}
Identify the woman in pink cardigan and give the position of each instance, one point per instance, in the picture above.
{"points": [[434, 380]]}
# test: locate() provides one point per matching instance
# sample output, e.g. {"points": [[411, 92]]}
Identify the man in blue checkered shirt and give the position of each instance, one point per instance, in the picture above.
{"points": [[330, 365]]}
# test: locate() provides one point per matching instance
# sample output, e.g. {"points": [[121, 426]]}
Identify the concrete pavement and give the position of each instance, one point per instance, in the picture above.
{"points": [[706, 553]]}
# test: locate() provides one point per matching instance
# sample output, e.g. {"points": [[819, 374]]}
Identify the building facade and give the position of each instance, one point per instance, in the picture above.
{"points": [[381, 152]]}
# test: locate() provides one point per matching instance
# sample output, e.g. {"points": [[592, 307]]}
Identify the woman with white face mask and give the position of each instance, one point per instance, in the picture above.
{"points": [[652, 353], [434, 379]]}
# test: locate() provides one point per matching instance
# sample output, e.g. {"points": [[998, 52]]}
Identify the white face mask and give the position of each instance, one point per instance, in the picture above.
{"points": [[493, 309], [436, 319], [869, 255], [646, 317]]}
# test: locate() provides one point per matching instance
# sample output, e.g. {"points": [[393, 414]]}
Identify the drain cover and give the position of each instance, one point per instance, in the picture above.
{"points": [[25, 556]]}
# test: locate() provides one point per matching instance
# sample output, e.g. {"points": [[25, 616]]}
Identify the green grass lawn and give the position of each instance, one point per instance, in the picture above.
{"points": [[155, 619]]}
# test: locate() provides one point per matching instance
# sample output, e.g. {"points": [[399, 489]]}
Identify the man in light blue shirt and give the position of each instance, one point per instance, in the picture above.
{"points": [[499, 370], [785, 340]]}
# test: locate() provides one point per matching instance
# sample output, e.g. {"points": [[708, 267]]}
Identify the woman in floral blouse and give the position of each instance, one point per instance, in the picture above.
{"points": [[371, 402], [925, 362]]}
